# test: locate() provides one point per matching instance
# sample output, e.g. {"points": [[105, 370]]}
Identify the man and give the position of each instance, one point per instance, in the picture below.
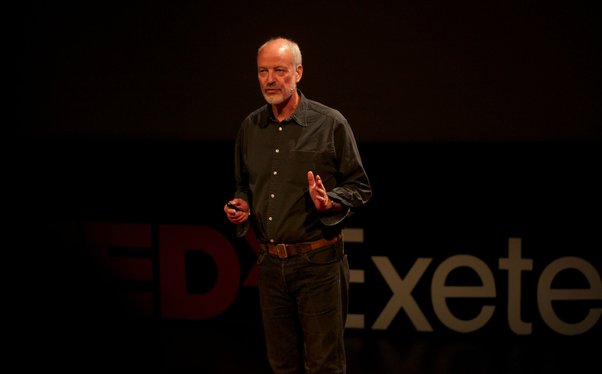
{"points": [[298, 177]]}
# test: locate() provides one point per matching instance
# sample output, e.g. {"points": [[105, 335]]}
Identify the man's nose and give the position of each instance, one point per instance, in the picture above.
{"points": [[271, 76]]}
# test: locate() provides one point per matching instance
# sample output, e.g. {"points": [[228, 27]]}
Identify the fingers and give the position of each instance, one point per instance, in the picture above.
{"points": [[314, 182], [319, 183], [311, 181], [317, 191], [239, 217], [237, 210], [236, 216], [238, 204]]}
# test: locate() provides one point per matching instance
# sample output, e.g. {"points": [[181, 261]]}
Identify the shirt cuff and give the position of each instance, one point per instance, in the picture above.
{"points": [[332, 219], [241, 230]]}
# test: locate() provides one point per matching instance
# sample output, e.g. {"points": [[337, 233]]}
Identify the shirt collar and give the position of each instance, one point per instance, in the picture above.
{"points": [[298, 116]]}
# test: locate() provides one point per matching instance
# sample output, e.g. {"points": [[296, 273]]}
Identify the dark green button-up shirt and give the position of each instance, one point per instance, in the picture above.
{"points": [[271, 163]]}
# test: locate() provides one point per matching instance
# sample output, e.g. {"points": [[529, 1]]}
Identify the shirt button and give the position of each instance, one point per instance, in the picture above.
{"points": [[280, 128], [275, 172], [272, 195], [277, 150], [269, 218]]}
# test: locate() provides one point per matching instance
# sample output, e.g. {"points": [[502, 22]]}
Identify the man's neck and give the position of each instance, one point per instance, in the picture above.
{"points": [[286, 109]]}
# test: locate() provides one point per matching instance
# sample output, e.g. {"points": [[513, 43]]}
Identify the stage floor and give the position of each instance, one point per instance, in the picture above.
{"points": [[207, 351]]}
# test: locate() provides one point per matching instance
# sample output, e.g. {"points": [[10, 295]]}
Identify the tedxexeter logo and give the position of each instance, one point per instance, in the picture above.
{"points": [[158, 255]]}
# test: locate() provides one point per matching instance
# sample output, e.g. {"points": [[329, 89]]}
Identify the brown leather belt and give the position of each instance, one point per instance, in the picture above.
{"points": [[282, 250]]}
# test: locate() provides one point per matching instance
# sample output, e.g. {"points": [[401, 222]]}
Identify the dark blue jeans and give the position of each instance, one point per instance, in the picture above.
{"points": [[304, 307]]}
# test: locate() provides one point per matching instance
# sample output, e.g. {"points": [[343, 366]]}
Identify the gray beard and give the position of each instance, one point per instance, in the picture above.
{"points": [[273, 99], [278, 99]]}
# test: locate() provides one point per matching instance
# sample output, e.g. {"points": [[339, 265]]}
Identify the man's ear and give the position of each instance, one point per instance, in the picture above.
{"points": [[299, 72]]}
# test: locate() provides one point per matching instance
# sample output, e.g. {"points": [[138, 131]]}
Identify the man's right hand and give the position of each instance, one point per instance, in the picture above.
{"points": [[237, 210]]}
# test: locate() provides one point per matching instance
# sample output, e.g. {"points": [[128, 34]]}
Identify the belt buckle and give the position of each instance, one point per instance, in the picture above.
{"points": [[281, 250]]}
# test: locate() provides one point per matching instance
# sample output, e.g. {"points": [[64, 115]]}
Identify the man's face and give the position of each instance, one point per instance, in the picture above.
{"points": [[276, 73]]}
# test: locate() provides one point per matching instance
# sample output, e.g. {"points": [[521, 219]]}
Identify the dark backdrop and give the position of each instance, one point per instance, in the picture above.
{"points": [[401, 71], [477, 122]]}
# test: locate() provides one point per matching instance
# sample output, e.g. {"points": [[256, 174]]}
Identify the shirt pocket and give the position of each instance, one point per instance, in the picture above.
{"points": [[321, 163]]}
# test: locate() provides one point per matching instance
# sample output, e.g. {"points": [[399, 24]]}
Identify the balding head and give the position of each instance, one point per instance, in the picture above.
{"points": [[283, 46]]}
